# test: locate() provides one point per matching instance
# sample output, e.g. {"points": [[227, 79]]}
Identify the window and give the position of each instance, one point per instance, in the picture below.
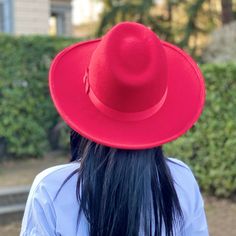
{"points": [[60, 24], [1, 17], [53, 25], [6, 16], [60, 19], [57, 24]]}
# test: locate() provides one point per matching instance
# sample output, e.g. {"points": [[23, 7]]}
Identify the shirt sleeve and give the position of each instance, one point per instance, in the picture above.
{"points": [[39, 216], [197, 226]]}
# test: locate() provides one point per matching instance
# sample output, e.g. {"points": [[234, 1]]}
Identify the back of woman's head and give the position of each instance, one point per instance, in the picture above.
{"points": [[125, 192]]}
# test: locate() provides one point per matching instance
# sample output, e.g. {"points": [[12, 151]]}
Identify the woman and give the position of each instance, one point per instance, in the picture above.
{"points": [[124, 96]]}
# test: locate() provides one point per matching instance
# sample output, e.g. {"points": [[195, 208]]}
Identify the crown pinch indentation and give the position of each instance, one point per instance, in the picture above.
{"points": [[86, 81]]}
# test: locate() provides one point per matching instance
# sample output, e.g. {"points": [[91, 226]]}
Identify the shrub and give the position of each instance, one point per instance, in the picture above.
{"points": [[210, 146], [27, 114]]}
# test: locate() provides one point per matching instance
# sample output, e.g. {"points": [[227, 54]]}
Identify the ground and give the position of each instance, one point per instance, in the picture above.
{"points": [[221, 213]]}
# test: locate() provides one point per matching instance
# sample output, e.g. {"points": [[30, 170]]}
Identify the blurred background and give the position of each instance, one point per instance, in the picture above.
{"points": [[33, 137]]}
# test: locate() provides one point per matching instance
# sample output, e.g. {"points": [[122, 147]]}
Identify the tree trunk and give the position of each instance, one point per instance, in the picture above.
{"points": [[227, 11]]}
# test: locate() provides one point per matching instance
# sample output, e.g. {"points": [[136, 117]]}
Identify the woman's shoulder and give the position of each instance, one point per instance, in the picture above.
{"points": [[178, 167], [185, 183], [190, 198], [52, 178], [41, 208], [183, 176], [53, 171], [174, 161]]}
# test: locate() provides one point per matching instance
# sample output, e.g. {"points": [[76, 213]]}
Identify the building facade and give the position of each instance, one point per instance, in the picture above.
{"points": [[42, 17]]}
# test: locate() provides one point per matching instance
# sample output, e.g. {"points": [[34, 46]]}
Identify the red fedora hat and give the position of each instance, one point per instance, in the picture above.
{"points": [[128, 89]]}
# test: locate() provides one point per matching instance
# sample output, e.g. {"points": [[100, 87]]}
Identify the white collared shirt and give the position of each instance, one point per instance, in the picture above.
{"points": [[46, 215]]}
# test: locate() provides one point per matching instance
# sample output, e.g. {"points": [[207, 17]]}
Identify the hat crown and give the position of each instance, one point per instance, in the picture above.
{"points": [[128, 69]]}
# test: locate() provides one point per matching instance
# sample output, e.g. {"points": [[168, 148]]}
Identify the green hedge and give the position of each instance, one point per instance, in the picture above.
{"points": [[27, 116], [210, 147], [29, 123]]}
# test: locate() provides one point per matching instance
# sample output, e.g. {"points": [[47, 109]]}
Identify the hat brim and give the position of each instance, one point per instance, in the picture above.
{"points": [[181, 109]]}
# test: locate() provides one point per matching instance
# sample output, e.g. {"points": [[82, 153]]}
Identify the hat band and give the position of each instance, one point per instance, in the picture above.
{"points": [[124, 116]]}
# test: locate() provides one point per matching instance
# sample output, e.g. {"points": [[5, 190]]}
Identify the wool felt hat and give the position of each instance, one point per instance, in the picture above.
{"points": [[128, 89]]}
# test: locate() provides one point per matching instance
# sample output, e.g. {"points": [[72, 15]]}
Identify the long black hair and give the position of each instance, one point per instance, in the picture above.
{"points": [[125, 192]]}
